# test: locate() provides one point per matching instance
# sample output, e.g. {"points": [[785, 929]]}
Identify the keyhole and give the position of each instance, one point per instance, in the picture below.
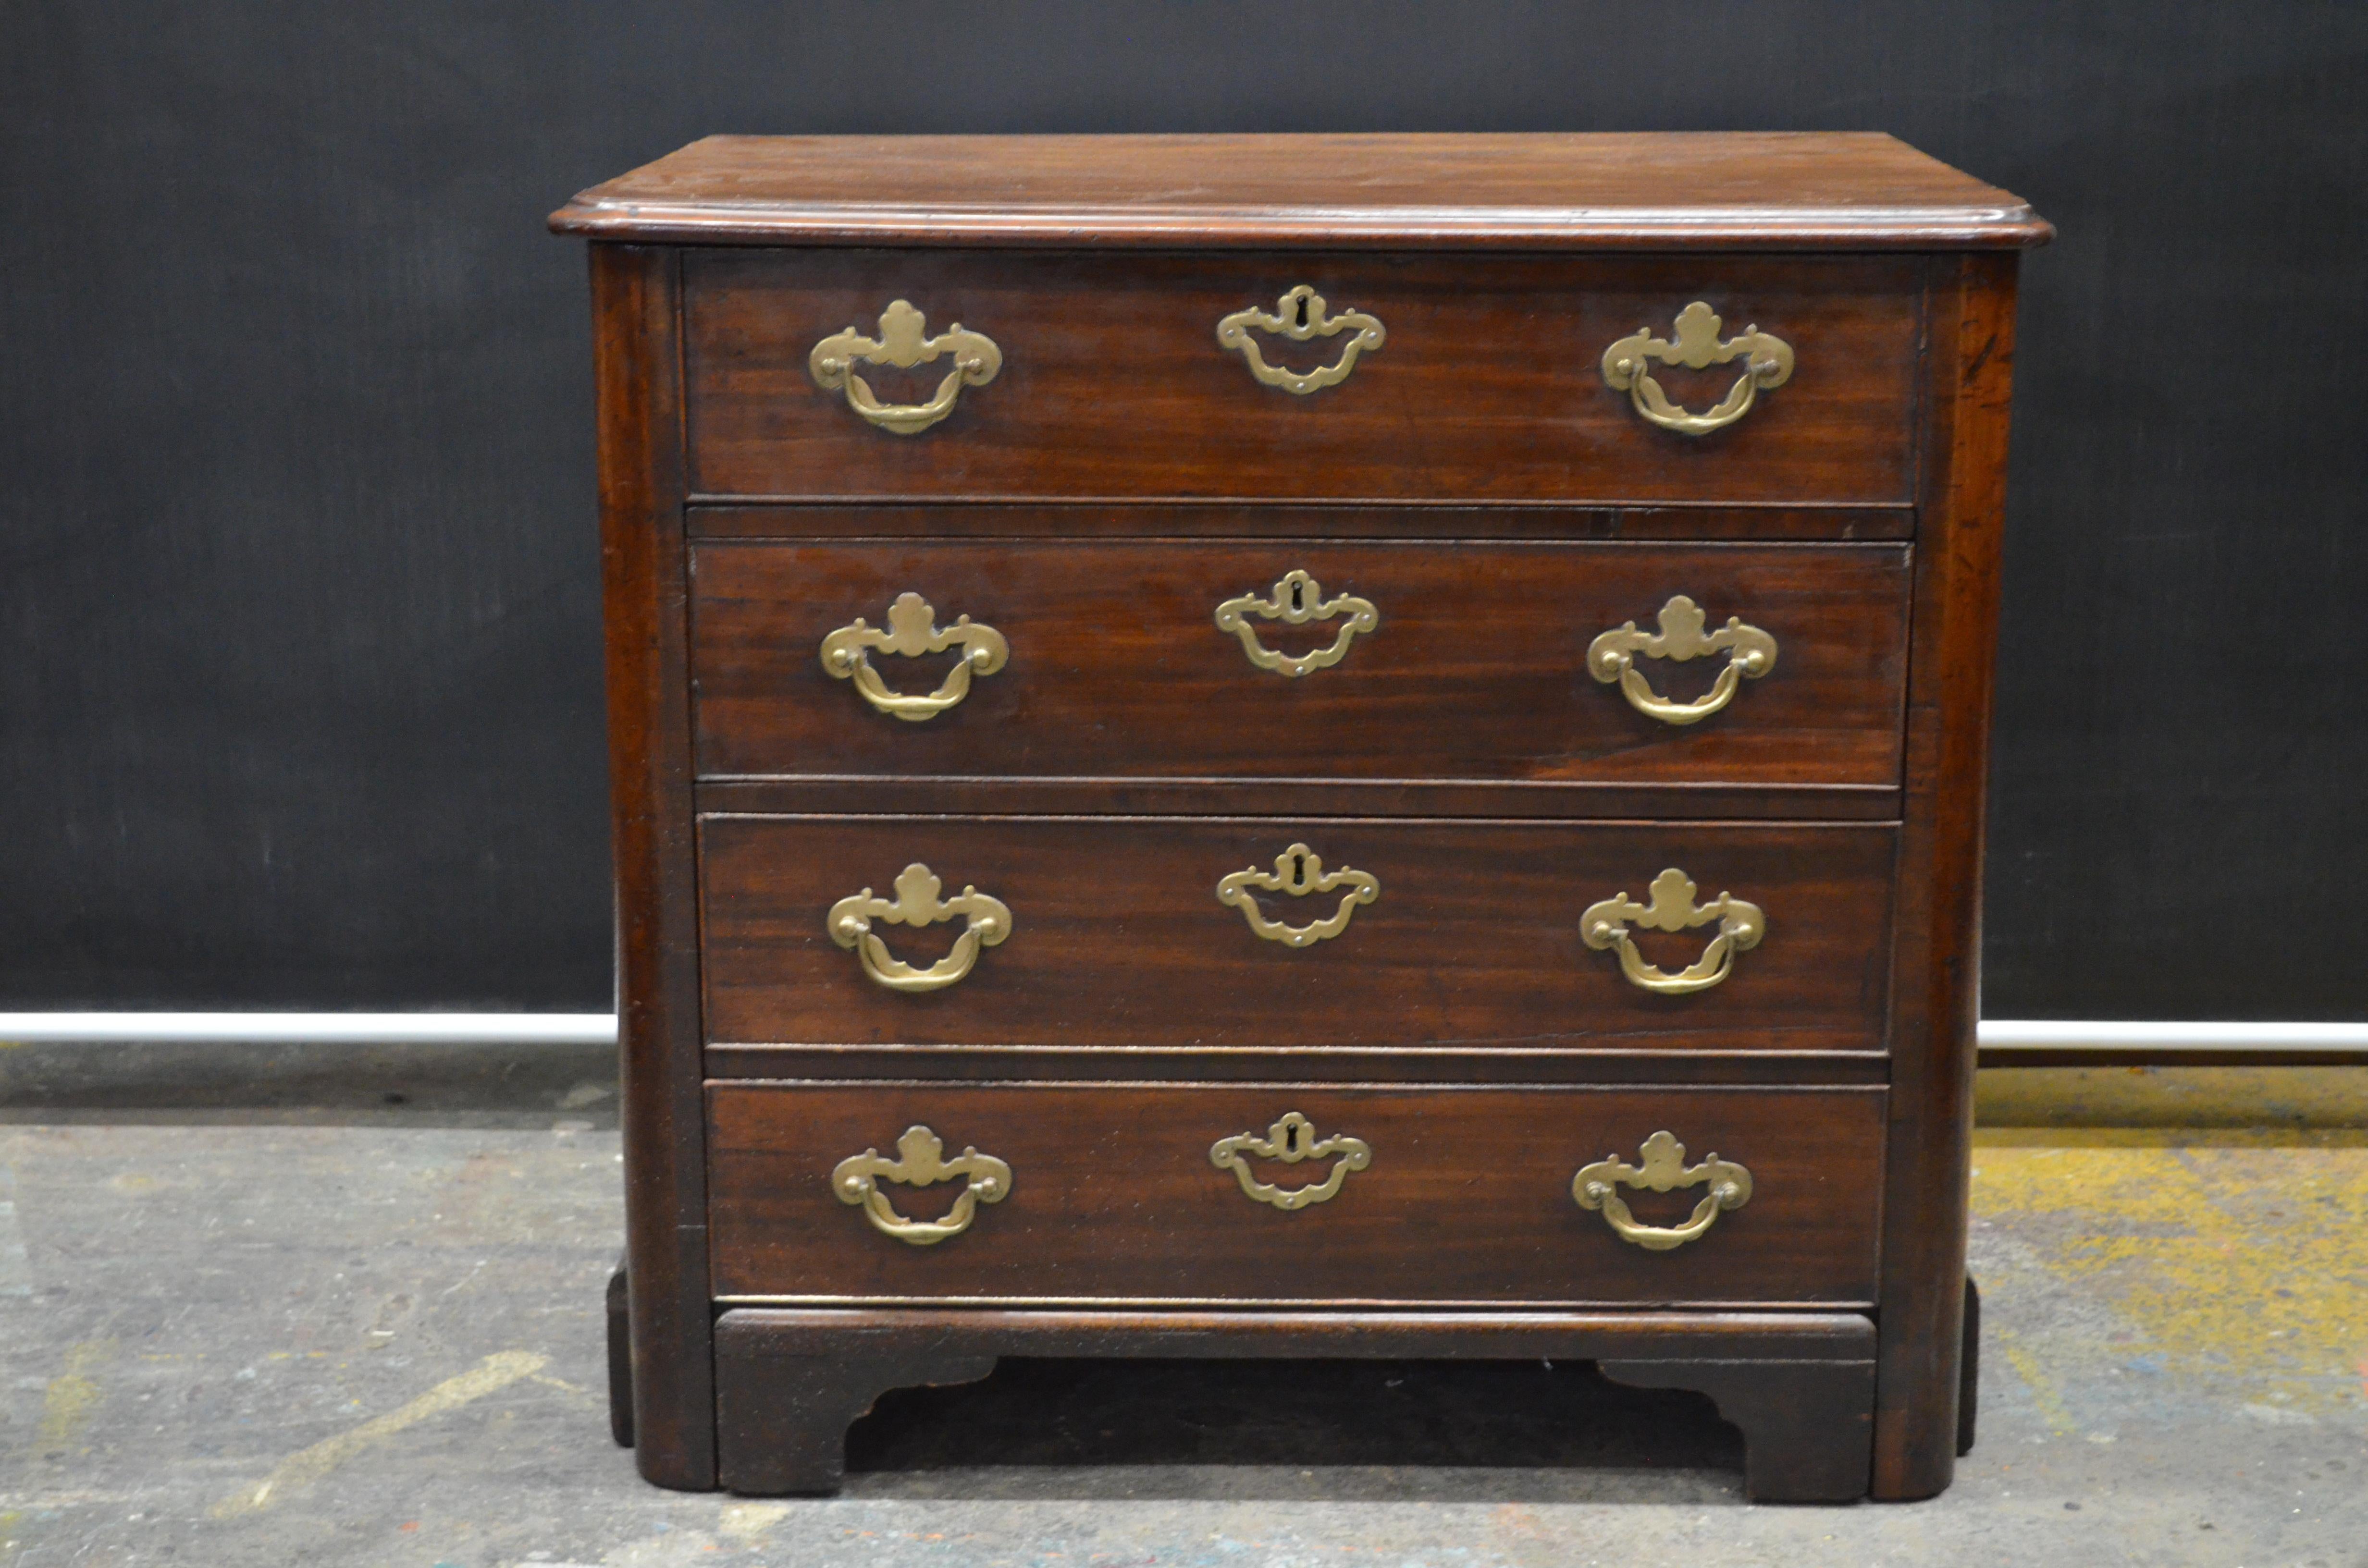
{"points": [[1299, 870], [1302, 310], [1299, 596], [1294, 1139]]}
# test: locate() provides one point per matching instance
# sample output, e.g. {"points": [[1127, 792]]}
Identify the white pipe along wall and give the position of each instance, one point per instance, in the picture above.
{"points": [[600, 1028]]}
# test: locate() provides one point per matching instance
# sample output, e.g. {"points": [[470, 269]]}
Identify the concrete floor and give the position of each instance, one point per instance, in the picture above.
{"points": [[255, 1310]]}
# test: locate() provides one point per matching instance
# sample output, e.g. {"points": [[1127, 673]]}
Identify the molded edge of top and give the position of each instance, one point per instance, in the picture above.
{"points": [[1130, 190]]}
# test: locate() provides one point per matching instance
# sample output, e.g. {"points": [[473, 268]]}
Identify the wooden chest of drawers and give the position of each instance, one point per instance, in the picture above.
{"points": [[1323, 745]]}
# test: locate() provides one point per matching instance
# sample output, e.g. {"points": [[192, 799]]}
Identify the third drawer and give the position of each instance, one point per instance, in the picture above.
{"points": [[1099, 931], [1446, 661]]}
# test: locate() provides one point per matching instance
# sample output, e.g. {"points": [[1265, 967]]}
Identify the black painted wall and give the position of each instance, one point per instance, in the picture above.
{"points": [[299, 628]]}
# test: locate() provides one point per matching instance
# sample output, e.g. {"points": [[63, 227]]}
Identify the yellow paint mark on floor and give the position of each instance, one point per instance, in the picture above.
{"points": [[577, 1391], [2235, 1253], [2044, 1391], [2173, 1096], [746, 1521], [490, 1375], [72, 1396]]}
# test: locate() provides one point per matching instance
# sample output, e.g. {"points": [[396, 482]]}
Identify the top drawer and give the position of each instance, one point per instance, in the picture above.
{"points": [[1101, 375]]}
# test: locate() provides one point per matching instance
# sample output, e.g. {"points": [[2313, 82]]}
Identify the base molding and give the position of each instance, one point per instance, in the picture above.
{"points": [[1800, 1385]]}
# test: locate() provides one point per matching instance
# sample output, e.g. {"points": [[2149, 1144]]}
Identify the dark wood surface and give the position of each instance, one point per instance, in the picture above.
{"points": [[634, 311], [1093, 503], [1118, 937], [970, 795], [783, 1416], [619, 1320], [1682, 521], [1936, 969], [1466, 1200], [1807, 1425], [1310, 1061], [1651, 191], [1798, 1384], [1477, 670], [1489, 386], [1969, 1370]]}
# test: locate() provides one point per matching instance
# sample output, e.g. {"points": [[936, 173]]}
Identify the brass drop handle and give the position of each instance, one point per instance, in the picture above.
{"points": [[1297, 598], [920, 1162], [916, 904], [1751, 653], [1740, 927], [1767, 364], [1299, 315], [1291, 1140], [904, 343], [912, 632], [1298, 871], [1597, 1186]]}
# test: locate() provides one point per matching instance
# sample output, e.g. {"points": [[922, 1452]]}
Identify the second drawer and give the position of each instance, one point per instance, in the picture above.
{"points": [[1312, 932], [1304, 660]]}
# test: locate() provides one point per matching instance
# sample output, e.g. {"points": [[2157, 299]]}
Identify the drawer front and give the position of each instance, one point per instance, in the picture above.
{"points": [[1170, 932], [1448, 662], [1109, 378], [1118, 1193]]}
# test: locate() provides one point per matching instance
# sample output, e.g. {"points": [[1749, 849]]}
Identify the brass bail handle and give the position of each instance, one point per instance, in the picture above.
{"points": [[903, 342], [1751, 653], [920, 1162], [913, 630], [1740, 927], [1767, 364], [1300, 314], [1664, 1168], [986, 923], [1291, 1140], [1296, 600]]}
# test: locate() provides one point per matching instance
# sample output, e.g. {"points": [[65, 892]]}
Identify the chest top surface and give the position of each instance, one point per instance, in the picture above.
{"points": [[1789, 190]]}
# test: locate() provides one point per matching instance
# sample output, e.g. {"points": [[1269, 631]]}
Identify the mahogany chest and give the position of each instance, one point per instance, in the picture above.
{"points": [[1328, 745]]}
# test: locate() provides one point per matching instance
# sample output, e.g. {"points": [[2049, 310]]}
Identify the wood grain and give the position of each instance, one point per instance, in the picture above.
{"points": [[1488, 388], [635, 306], [1119, 939], [1466, 1200], [1543, 520], [1936, 969], [1652, 191], [1475, 672], [970, 795], [1304, 1060]]}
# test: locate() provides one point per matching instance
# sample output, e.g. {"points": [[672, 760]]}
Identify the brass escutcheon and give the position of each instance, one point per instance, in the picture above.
{"points": [[920, 1162], [1291, 1140], [1740, 927], [1298, 871], [1750, 652], [1597, 1186], [1767, 364], [912, 632], [1298, 599], [1300, 316], [904, 343], [917, 904]]}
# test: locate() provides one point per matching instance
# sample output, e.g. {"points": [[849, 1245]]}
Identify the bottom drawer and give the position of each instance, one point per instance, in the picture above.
{"points": [[1190, 1194]]}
